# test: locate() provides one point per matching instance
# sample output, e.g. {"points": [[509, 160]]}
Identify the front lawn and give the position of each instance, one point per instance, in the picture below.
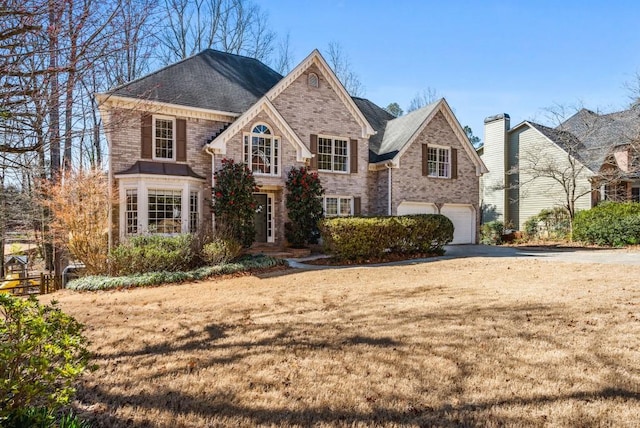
{"points": [[467, 342]]}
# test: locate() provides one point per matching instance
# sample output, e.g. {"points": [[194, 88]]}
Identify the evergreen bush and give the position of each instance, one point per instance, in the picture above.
{"points": [[609, 223], [353, 238], [151, 253], [304, 205]]}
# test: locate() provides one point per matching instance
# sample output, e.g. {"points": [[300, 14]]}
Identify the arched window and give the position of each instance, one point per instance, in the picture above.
{"points": [[261, 150], [313, 80]]}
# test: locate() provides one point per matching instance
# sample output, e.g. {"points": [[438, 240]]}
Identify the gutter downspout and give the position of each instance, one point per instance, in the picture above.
{"points": [[389, 166]]}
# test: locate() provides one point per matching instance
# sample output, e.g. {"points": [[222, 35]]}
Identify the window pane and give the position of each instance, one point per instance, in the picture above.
{"points": [[331, 207], [340, 159], [193, 212], [345, 206], [164, 139], [263, 151], [165, 211], [131, 212]]}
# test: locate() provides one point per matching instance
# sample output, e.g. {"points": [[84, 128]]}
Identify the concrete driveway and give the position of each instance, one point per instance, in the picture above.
{"points": [[622, 256]]}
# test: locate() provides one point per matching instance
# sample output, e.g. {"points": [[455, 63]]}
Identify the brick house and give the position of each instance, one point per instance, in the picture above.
{"points": [[169, 131]]}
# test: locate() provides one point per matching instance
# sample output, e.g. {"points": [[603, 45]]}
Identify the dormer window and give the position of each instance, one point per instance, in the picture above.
{"points": [[313, 80], [262, 151], [164, 138]]}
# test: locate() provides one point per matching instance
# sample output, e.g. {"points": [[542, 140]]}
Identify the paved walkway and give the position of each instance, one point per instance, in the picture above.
{"points": [[621, 256]]}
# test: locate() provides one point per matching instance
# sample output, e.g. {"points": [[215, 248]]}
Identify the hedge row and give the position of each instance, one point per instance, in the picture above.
{"points": [[352, 238], [93, 283], [609, 223]]}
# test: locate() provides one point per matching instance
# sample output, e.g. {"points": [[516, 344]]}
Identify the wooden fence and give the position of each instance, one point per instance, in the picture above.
{"points": [[42, 284]]}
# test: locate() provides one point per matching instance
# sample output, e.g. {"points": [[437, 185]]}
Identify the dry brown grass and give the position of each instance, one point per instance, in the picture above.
{"points": [[469, 342]]}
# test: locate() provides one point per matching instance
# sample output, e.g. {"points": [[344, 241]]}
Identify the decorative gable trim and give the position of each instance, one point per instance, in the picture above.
{"points": [[219, 144], [443, 107], [157, 107], [315, 58]]}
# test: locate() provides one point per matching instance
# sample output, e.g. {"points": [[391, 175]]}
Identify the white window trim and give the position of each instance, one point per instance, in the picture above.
{"points": [[145, 182], [153, 137], [333, 139], [338, 197], [448, 149], [274, 139]]}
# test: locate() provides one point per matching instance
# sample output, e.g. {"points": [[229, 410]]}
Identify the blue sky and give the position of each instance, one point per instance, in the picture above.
{"points": [[485, 57]]}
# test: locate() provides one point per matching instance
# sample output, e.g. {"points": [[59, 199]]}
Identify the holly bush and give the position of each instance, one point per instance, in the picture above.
{"points": [[42, 352], [304, 205], [233, 202]]}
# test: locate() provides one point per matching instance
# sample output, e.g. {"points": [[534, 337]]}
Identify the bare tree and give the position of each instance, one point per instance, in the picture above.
{"points": [[595, 153], [423, 98], [341, 65], [234, 26], [283, 60]]}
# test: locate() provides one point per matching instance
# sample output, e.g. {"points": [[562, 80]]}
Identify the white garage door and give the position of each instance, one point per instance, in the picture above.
{"points": [[406, 208], [464, 222]]}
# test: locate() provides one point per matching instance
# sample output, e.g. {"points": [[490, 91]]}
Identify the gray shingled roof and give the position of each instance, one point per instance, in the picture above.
{"points": [[393, 133], [160, 168], [600, 134], [400, 130], [377, 118], [211, 80]]}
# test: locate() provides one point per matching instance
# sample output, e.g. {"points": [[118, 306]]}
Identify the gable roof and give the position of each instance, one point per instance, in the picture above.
{"points": [[218, 144], [395, 134], [237, 82], [315, 57], [591, 137]]}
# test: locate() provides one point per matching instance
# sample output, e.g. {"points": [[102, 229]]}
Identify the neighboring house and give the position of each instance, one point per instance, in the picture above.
{"points": [[169, 131], [598, 151]]}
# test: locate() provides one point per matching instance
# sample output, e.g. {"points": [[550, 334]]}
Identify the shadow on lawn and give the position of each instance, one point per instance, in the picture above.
{"points": [[221, 409], [373, 332]]}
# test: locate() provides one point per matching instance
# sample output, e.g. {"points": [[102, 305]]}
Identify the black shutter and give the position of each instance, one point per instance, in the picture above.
{"points": [[357, 209], [454, 163], [181, 140], [146, 128], [425, 161], [354, 156]]}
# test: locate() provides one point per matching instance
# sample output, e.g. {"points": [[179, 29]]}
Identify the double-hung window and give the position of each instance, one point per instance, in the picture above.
{"points": [[131, 211], [439, 162], [338, 206], [164, 211], [164, 141], [262, 151], [333, 154]]}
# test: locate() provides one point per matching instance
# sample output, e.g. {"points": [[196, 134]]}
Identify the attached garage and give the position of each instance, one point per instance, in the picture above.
{"points": [[463, 218], [406, 208]]}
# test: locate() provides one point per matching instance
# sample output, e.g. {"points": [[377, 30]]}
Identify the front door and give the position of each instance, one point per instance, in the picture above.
{"points": [[261, 217]]}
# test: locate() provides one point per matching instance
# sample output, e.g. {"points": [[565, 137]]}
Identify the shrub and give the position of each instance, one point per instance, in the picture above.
{"points": [[221, 250], [151, 253], [304, 206], [234, 204], [79, 205], [609, 223], [43, 417], [94, 283], [42, 352], [552, 223], [366, 237], [491, 233]]}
